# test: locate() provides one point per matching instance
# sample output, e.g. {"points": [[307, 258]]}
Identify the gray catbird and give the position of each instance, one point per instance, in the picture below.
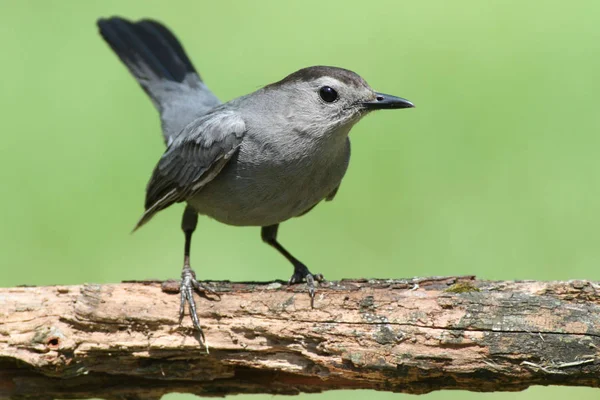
{"points": [[257, 160]]}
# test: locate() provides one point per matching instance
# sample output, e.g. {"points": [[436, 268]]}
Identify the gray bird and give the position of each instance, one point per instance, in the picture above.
{"points": [[257, 160]]}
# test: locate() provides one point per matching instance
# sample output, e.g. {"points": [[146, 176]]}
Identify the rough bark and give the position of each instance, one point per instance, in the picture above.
{"points": [[415, 336]]}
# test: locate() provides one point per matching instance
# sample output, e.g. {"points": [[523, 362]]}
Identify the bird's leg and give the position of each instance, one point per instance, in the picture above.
{"points": [[188, 276], [301, 272]]}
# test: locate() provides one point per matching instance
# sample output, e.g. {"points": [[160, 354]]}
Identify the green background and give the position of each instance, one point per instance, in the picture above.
{"points": [[495, 173]]}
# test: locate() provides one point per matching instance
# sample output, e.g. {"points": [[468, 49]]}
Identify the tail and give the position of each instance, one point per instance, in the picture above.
{"points": [[159, 63], [148, 49]]}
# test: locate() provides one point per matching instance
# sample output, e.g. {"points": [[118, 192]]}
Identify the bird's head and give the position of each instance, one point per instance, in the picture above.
{"points": [[328, 99]]}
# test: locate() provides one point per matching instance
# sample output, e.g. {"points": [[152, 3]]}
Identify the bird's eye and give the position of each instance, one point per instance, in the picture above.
{"points": [[328, 94]]}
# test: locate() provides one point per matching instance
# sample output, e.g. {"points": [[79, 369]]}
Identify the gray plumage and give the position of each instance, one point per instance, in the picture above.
{"points": [[257, 160], [272, 175]]}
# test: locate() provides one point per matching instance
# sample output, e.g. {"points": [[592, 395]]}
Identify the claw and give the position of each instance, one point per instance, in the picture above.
{"points": [[202, 288], [310, 282], [188, 284], [301, 273]]}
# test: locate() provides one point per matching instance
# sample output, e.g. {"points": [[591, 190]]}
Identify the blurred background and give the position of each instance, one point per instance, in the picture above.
{"points": [[496, 172]]}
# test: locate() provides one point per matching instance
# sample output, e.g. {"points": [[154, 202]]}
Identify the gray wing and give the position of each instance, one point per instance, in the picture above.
{"points": [[193, 159]]}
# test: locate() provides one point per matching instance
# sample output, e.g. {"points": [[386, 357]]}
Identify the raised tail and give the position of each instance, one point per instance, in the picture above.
{"points": [[148, 49], [159, 63]]}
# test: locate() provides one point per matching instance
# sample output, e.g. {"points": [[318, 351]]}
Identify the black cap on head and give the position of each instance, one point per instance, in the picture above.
{"points": [[309, 74]]}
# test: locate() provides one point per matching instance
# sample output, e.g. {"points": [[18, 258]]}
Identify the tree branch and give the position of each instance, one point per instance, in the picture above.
{"points": [[414, 336]]}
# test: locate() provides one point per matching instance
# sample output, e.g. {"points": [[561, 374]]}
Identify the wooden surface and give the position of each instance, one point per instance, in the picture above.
{"points": [[415, 336]]}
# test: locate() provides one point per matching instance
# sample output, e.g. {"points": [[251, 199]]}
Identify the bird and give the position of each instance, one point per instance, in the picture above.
{"points": [[257, 160]]}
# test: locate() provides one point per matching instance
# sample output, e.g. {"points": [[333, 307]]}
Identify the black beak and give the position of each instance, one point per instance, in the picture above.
{"points": [[386, 101]]}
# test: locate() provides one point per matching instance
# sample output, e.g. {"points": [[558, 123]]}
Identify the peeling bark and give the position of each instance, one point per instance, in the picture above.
{"points": [[414, 336]]}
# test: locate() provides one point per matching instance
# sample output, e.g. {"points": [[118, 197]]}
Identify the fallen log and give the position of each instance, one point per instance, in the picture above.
{"points": [[418, 335]]}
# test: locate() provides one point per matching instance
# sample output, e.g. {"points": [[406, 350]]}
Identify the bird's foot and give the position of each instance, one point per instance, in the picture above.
{"points": [[301, 274], [186, 289]]}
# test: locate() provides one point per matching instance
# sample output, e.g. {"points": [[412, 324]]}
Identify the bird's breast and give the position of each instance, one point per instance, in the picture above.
{"points": [[267, 182]]}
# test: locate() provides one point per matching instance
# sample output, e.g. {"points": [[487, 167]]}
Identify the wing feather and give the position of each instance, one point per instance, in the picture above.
{"points": [[193, 159]]}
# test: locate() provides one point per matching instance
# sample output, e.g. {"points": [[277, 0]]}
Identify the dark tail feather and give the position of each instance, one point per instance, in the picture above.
{"points": [[170, 40], [147, 48]]}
